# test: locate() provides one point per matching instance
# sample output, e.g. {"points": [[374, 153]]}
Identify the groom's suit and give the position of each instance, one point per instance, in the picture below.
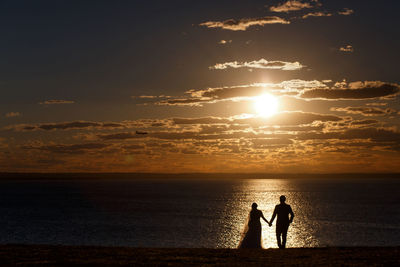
{"points": [[282, 212]]}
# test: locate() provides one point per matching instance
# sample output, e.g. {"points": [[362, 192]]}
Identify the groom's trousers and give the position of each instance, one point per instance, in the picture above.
{"points": [[281, 231]]}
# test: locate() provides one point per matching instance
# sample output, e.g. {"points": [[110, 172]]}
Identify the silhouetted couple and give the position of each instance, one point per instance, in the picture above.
{"points": [[252, 232]]}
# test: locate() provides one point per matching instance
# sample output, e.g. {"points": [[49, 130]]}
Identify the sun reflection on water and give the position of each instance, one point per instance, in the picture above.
{"points": [[266, 194]]}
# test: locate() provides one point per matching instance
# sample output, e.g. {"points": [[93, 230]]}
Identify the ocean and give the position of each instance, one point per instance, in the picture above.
{"points": [[197, 213]]}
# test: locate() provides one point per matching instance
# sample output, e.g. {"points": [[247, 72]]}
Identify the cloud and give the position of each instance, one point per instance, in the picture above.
{"points": [[222, 42], [366, 111], [376, 104], [260, 64], [120, 136], [145, 96], [313, 89], [204, 120], [185, 102], [364, 122], [317, 14], [291, 5], [346, 11], [243, 24], [373, 134], [289, 118], [354, 91], [251, 90], [56, 102], [188, 135], [133, 147], [242, 92], [255, 89], [83, 125], [347, 48], [68, 149], [12, 114], [212, 128], [68, 126]]}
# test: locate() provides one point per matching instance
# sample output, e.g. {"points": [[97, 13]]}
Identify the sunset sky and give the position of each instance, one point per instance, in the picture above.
{"points": [[181, 86]]}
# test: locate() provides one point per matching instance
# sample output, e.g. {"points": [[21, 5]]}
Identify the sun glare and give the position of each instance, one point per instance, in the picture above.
{"points": [[266, 105]]}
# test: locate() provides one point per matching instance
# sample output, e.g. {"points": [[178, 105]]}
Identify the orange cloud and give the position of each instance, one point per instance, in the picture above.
{"points": [[259, 64], [291, 5], [12, 114], [56, 102], [244, 24]]}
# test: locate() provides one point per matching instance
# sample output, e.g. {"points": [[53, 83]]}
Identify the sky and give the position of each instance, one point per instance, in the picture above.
{"points": [[200, 86]]}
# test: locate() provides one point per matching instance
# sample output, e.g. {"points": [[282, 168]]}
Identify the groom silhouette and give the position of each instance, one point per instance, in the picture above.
{"points": [[282, 222]]}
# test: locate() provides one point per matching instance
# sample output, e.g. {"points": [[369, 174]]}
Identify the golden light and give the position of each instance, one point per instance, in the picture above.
{"points": [[266, 105]]}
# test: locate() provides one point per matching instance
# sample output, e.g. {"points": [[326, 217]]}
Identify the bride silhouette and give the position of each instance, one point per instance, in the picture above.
{"points": [[251, 236]]}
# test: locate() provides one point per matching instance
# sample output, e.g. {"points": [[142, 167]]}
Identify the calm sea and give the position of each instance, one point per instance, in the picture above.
{"points": [[194, 213]]}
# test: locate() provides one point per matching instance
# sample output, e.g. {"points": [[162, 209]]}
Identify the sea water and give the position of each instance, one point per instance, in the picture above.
{"points": [[197, 213]]}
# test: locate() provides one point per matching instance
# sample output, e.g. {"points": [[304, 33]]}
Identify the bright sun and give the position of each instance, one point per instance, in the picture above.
{"points": [[266, 105]]}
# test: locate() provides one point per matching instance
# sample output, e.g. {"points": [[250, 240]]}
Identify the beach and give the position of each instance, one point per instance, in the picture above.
{"points": [[53, 255]]}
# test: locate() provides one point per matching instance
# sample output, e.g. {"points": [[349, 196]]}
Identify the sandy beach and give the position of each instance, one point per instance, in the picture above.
{"points": [[46, 255]]}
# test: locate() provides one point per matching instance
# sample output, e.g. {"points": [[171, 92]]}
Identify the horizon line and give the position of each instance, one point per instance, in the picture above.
{"points": [[191, 175]]}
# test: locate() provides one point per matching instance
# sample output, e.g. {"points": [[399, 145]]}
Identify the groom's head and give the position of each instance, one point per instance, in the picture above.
{"points": [[282, 199]]}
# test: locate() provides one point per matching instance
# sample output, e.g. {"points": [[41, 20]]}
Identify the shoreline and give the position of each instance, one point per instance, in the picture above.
{"points": [[56, 255]]}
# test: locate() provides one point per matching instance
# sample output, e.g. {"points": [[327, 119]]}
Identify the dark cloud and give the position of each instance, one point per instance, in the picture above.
{"points": [[70, 125], [69, 149], [184, 102], [203, 120], [213, 95], [366, 111], [133, 147], [290, 118], [373, 134], [307, 128], [190, 135], [233, 128], [271, 141], [358, 90], [120, 136], [189, 151], [283, 118], [256, 89], [56, 102], [213, 129], [364, 122], [295, 88]]}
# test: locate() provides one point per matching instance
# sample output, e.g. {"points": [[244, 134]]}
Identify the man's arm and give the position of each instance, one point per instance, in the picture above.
{"points": [[291, 214]]}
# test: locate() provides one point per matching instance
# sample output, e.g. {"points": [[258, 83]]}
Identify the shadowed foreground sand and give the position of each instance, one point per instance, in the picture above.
{"points": [[42, 255]]}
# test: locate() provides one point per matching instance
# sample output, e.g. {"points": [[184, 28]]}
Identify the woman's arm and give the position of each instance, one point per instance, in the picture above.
{"points": [[273, 216], [262, 216]]}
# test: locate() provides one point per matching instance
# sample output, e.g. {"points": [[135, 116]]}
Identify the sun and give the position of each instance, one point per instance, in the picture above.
{"points": [[266, 105]]}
